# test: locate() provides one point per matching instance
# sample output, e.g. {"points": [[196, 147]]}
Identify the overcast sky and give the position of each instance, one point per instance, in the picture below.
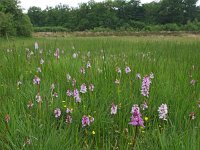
{"points": [[43, 3], [72, 3]]}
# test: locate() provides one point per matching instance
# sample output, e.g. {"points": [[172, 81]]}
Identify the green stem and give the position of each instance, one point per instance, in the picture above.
{"points": [[135, 137]]}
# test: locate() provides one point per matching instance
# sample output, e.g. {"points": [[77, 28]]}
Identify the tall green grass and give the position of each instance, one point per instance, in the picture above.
{"points": [[169, 58]]}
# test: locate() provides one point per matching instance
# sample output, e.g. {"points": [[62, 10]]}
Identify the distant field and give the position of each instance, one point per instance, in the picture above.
{"points": [[28, 122], [117, 33]]}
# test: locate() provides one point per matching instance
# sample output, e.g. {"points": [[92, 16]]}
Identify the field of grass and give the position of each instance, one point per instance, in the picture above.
{"points": [[174, 62]]}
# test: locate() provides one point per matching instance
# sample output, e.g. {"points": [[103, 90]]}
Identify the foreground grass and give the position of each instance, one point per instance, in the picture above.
{"points": [[171, 59]]}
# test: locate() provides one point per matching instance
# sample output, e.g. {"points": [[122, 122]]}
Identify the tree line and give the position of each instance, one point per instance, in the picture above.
{"points": [[118, 14]]}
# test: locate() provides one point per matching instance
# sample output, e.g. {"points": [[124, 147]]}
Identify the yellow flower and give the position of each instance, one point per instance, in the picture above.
{"points": [[93, 132], [143, 131], [146, 118], [130, 143]]}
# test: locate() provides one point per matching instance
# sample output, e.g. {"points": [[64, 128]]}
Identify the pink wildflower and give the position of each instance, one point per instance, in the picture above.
{"points": [[87, 120], [192, 82], [69, 93], [77, 96], [7, 118], [113, 109], [78, 99], [69, 111], [83, 88], [57, 112], [136, 118], [68, 119], [144, 105], [57, 53], [73, 82], [36, 80], [76, 93], [55, 94], [146, 86]]}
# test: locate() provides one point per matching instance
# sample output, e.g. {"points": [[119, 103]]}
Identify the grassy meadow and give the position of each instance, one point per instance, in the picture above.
{"points": [[28, 124]]}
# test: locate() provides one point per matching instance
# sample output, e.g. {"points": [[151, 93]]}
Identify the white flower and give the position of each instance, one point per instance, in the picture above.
{"points": [[127, 70], [41, 61], [138, 76], [38, 98], [75, 55], [36, 80], [68, 77], [82, 70], [52, 86], [36, 46], [151, 75], [118, 70], [39, 69], [88, 65], [19, 83], [69, 111], [117, 81], [163, 111], [91, 87]]}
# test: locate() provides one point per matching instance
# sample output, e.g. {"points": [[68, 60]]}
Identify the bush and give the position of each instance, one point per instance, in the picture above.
{"points": [[192, 26], [6, 25], [137, 25], [24, 26], [171, 27], [12, 19]]}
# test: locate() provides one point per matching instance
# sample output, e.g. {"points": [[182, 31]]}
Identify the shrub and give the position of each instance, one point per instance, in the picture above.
{"points": [[6, 25], [170, 27], [191, 26], [24, 26]]}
